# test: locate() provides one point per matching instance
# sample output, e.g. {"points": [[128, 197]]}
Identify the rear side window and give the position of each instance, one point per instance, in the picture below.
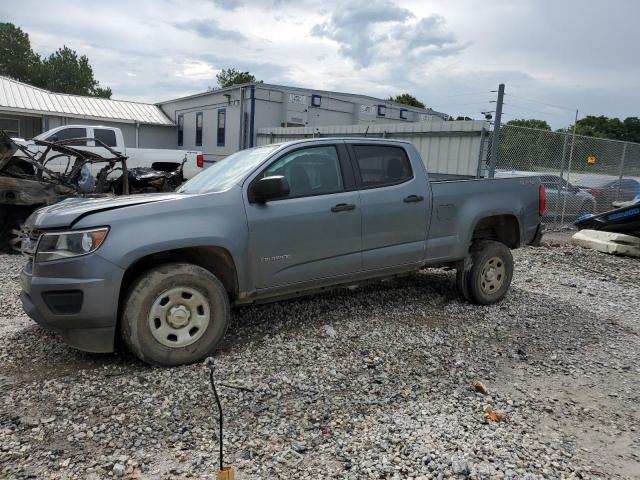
{"points": [[382, 165], [68, 133], [108, 137]]}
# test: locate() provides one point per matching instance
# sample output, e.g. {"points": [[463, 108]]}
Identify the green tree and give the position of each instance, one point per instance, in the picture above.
{"points": [[407, 99], [530, 123], [534, 147], [605, 127], [233, 76], [64, 71], [17, 59]]}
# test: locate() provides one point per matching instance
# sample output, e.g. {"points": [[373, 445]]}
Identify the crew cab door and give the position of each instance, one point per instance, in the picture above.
{"points": [[396, 205], [313, 233]]}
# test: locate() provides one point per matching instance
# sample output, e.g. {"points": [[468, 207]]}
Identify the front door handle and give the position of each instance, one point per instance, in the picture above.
{"points": [[343, 207], [413, 198]]}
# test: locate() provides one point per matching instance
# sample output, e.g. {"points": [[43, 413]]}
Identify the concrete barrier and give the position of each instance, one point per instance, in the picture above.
{"points": [[608, 242]]}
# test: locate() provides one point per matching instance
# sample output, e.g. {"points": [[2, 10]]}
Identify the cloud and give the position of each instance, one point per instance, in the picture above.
{"points": [[435, 50], [209, 28], [375, 31], [228, 4], [354, 26], [428, 32], [196, 70]]}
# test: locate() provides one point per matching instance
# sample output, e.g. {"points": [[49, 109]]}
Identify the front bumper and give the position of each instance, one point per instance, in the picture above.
{"points": [[77, 298]]}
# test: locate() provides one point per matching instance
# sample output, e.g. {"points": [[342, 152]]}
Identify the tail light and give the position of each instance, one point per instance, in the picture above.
{"points": [[595, 191], [542, 200], [200, 160]]}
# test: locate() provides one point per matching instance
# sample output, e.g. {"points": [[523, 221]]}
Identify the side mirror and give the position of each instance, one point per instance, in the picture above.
{"points": [[53, 138], [269, 188]]}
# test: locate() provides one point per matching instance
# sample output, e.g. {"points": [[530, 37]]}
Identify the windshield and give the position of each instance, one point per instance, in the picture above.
{"points": [[227, 172]]}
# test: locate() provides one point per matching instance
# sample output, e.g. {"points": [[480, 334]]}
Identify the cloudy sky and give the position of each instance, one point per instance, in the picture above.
{"points": [[553, 56]]}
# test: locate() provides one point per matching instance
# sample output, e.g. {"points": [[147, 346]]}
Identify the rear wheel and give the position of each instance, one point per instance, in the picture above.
{"points": [[485, 275], [174, 314]]}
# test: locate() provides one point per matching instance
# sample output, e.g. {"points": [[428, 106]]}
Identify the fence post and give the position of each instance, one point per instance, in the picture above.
{"points": [[573, 142], [624, 154], [564, 153], [496, 132]]}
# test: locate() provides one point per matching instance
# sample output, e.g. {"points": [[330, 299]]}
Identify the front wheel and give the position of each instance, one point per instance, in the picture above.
{"points": [[174, 314], [485, 275]]}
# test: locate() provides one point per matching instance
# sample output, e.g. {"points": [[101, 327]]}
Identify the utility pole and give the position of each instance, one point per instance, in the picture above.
{"points": [[495, 141]]}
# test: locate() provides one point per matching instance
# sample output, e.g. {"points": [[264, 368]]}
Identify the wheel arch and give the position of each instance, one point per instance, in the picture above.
{"points": [[503, 228], [217, 260]]}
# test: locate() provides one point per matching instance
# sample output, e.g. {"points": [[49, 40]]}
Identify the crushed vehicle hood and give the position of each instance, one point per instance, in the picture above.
{"points": [[67, 212]]}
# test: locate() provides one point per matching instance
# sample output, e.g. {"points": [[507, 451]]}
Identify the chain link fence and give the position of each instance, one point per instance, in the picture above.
{"points": [[580, 174]]}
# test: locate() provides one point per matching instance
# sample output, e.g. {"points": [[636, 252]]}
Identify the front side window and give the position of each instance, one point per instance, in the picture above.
{"points": [[222, 114], [199, 129], [180, 130], [382, 165], [69, 133], [310, 171], [108, 137]]}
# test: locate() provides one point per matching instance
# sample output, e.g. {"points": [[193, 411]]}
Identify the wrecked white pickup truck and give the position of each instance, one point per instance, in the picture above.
{"points": [[86, 137]]}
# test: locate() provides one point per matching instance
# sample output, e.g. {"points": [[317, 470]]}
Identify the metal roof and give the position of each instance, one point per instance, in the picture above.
{"points": [[21, 97], [355, 96]]}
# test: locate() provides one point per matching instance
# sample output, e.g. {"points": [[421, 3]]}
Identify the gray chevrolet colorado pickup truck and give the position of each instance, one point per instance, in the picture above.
{"points": [[162, 270]]}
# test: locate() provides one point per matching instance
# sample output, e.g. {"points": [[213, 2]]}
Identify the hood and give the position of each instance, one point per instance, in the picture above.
{"points": [[69, 211]]}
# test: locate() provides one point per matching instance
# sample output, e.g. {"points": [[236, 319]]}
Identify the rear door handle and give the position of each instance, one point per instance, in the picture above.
{"points": [[413, 198], [343, 207]]}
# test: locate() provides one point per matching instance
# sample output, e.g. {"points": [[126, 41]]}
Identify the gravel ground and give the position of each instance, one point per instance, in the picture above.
{"points": [[375, 382]]}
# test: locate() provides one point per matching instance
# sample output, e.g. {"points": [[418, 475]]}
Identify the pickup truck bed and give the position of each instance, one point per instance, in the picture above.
{"points": [[463, 204], [162, 270]]}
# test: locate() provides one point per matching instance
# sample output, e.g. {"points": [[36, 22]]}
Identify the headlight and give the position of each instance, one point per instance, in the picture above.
{"points": [[54, 246]]}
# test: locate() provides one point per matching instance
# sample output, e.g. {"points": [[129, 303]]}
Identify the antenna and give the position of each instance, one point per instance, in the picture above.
{"points": [[224, 473]]}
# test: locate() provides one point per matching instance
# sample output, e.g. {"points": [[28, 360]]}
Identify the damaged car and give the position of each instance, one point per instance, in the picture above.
{"points": [[27, 182]]}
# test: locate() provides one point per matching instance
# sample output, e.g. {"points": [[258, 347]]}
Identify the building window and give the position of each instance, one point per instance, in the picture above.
{"points": [[222, 114], [382, 110], [11, 126], [316, 100], [404, 113], [180, 130], [199, 129]]}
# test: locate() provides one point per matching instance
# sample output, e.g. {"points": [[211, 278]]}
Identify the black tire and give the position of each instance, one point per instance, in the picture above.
{"points": [[485, 275], [146, 293]]}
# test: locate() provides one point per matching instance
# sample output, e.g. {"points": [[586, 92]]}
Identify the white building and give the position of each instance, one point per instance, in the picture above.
{"points": [[217, 122]]}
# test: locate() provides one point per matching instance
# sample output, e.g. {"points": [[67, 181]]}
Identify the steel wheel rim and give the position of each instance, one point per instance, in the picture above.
{"points": [[179, 317], [16, 233], [492, 275]]}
